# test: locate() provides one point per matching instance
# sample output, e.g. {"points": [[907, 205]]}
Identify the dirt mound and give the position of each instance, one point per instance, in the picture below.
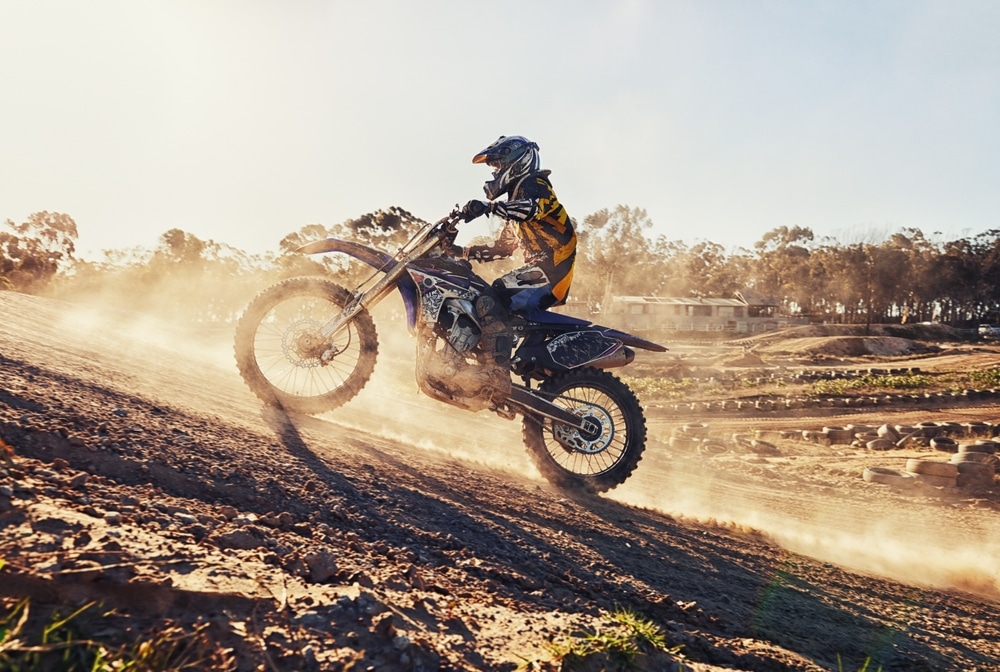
{"points": [[916, 332], [845, 346], [746, 360]]}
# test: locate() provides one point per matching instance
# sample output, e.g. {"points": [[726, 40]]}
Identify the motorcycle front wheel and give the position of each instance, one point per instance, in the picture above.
{"points": [[593, 461], [285, 360]]}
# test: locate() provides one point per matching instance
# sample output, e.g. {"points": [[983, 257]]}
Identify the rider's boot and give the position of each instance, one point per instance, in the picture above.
{"points": [[495, 344], [490, 377]]}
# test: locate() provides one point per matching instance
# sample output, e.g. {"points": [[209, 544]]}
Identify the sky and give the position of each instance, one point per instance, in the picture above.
{"points": [[240, 121]]}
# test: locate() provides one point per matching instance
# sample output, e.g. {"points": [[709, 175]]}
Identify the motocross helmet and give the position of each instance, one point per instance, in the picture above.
{"points": [[511, 157]]}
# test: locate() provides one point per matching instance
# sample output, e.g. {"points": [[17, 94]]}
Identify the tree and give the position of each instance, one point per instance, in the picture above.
{"points": [[985, 249], [916, 296], [385, 230], [177, 246], [709, 271], [783, 269], [32, 252], [616, 251]]}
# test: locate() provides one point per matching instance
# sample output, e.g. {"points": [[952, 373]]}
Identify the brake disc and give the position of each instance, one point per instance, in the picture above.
{"points": [[599, 437]]}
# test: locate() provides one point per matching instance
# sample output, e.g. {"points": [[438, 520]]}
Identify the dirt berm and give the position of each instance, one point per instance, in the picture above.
{"points": [[837, 340]]}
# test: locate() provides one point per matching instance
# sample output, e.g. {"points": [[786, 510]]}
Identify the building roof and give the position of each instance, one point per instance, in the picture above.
{"points": [[746, 298], [680, 301], [755, 298]]}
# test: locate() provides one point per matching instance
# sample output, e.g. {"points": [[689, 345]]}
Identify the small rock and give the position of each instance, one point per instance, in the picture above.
{"points": [[79, 480], [321, 564], [241, 539], [198, 531], [113, 517], [363, 579], [383, 624], [312, 619]]}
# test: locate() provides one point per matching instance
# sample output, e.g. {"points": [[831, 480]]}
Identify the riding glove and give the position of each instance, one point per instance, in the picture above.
{"points": [[475, 208]]}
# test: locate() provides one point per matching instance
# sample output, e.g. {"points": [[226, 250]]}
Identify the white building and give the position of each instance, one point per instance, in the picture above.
{"points": [[673, 313]]}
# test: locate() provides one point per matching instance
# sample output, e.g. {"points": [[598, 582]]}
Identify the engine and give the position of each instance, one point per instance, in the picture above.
{"points": [[457, 326]]}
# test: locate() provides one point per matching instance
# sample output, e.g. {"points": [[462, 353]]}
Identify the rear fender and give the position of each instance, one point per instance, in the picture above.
{"points": [[634, 341], [569, 323]]}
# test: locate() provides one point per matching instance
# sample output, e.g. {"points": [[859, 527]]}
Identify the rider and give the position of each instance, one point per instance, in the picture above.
{"points": [[538, 224]]}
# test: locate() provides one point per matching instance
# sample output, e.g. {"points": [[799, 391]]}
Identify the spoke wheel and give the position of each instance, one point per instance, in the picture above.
{"points": [[287, 362], [604, 454]]}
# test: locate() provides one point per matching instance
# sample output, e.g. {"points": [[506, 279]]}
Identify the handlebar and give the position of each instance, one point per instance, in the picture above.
{"points": [[449, 224]]}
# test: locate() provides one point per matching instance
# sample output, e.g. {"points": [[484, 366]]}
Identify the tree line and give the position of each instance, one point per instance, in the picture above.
{"points": [[878, 277]]}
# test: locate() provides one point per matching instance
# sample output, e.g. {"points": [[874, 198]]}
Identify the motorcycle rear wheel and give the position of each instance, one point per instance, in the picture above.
{"points": [[285, 361], [571, 459]]}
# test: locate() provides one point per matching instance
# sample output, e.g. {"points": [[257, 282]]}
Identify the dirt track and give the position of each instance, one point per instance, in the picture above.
{"points": [[403, 534]]}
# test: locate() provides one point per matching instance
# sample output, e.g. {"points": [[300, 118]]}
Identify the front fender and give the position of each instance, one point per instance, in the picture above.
{"points": [[375, 258], [378, 260]]}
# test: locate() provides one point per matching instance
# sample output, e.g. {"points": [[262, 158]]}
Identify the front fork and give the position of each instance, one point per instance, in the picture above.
{"points": [[381, 289]]}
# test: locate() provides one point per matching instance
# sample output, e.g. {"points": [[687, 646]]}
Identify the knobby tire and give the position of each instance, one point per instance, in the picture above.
{"points": [[603, 469], [284, 377]]}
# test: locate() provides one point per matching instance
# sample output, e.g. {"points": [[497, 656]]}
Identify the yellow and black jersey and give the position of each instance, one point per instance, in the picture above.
{"points": [[539, 225]]}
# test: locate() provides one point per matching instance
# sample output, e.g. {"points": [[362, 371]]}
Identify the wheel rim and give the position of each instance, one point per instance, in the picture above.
{"points": [[588, 453], [292, 354], [588, 441]]}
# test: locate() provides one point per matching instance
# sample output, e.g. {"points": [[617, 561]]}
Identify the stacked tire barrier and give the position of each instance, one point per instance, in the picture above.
{"points": [[773, 403], [761, 376], [694, 439], [972, 463], [977, 463], [974, 460], [937, 435], [783, 404]]}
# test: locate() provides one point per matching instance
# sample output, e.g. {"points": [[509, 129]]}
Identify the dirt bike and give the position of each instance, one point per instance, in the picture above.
{"points": [[309, 345]]}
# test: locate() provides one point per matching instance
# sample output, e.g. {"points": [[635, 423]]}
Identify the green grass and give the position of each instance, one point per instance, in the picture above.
{"points": [[616, 644], [863, 668], [53, 642], [872, 383], [990, 378], [661, 388]]}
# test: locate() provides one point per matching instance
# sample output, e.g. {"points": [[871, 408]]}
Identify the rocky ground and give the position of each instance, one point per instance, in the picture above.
{"points": [[398, 534]]}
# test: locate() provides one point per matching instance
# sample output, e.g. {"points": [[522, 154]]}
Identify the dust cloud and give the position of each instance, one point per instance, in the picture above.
{"points": [[924, 543], [172, 313], [392, 407], [928, 544]]}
